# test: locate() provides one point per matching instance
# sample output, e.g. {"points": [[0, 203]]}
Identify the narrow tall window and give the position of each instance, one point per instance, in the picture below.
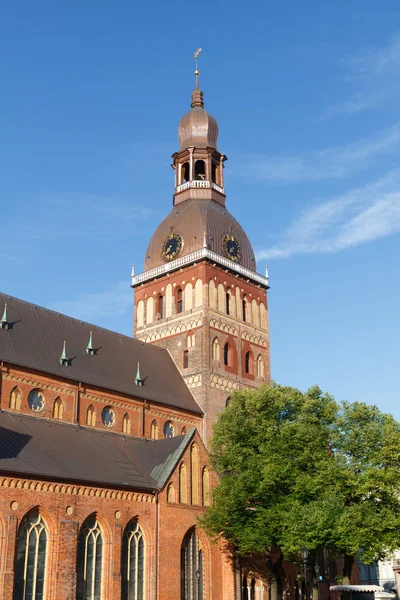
{"points": [[227, 300], [206, 487], [171, 493], [216, 350], [183, 496], [192, 568], [89, 564], [126, 424], [30, 568], [15, 399], [247, 362], [160, 307], [244, 308], [133, 563], [226, 355], [154, 430], [185, 359], [179, 300], [260, 366], [194, 474]]}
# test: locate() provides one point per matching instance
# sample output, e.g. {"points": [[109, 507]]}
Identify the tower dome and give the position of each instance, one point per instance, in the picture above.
{"points": [[197, 127]]}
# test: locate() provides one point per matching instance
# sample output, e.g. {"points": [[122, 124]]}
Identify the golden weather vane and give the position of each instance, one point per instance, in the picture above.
{"points": [[196, 56]]}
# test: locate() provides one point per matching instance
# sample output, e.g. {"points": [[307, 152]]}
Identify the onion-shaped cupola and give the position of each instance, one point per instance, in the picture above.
{"points": [[198, 163]]}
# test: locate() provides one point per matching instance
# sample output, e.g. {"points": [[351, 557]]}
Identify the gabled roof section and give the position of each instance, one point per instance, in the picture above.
{"points": [[35, 340], [41, 448]]}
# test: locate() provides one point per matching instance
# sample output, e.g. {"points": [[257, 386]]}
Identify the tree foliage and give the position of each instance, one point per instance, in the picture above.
{"points": [[303, 470]]}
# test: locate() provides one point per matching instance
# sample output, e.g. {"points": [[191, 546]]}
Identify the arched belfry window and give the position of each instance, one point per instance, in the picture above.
{"points": [[227, 355], [216, 350], [133, 563], [89, 564], [227, 301], [160, 307], [244, 308], [179, 300], [192, 567], [30, 568], [247, 361], [200, 169]]}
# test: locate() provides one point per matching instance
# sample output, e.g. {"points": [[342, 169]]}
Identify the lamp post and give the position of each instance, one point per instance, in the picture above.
{"points": [[304, 555], [317, 572]]}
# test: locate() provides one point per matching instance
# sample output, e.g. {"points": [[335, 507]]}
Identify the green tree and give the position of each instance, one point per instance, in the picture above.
{"points": [[303, 470]]}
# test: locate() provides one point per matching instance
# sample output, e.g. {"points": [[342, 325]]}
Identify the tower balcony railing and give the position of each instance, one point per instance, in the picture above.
{"points": [[203, 253], [199, 183]]}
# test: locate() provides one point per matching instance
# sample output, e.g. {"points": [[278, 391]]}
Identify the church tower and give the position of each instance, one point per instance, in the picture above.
{"points": [[200, 295]]}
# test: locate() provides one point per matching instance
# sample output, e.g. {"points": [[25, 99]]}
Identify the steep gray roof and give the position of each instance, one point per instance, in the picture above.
{"points": [[35, 340], [59, 451]]}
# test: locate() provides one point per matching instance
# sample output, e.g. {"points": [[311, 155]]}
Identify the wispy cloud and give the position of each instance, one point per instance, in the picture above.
{"points": [[330, 163], [372, 78], [359, 216], [115, 301]]}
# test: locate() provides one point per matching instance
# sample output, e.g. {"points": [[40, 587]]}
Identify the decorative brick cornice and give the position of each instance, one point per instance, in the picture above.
{"points": [[110, 401], [60, 389]]}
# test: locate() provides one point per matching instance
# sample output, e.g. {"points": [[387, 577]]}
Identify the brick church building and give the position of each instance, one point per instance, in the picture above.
{"points": [[103, 462]]}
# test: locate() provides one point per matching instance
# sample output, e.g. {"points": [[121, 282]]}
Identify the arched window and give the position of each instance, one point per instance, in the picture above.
{"points": [[149, 310], [227, 355], [190, 339], [260, 366], [194, 474], [140, 313], [132, 567], [263, 316], [160, 307], [30, 568], [15, 399], [206, 487], [171, 493], [58, 409], [253, 589], [154, 430], [185, 172], [179, 300], [212, 294], [91, 416], [227, 301], [192, 568], [248, 363], [183, 498], [200, 169], [183, 432], [214, 172], [126, 424], [89, 564], [255, 313], [216, 349], [244, 308]]}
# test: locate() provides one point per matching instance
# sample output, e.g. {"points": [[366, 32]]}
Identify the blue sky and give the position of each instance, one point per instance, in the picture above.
{"points": [[307, 99]]}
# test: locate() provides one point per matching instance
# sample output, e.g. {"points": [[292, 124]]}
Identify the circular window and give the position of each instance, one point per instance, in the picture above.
{"points": [[108, 416], [36, 400], [168, 430]]}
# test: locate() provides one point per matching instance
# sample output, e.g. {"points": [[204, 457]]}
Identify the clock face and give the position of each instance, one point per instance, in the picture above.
{"points": [[232, 248], [172, 246]]}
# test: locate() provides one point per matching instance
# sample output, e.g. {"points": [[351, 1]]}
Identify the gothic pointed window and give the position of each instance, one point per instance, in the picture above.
{"points": [[133, 548], [194, 474], [171, 493], [260, 366], [30, 568], [15, 399], [89, 565], [183, 496], [244, 308], [227, 355], [227, 302], [160, 307], [192, 567], [248, 363], [58, 409], [206, 487]]}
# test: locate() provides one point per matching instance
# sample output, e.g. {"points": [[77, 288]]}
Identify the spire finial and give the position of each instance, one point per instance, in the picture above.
{"points": [[4, 324], [89, 348], [197, 72], [63, 358], [138, 379]]}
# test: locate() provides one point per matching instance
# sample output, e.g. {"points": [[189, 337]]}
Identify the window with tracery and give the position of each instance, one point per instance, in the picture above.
{"points": [[133, 563], [89, 564], [30, 568], [15, 399], [126, 424], [192, 568], [58, 409], [169, 430], [36, 400]]}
